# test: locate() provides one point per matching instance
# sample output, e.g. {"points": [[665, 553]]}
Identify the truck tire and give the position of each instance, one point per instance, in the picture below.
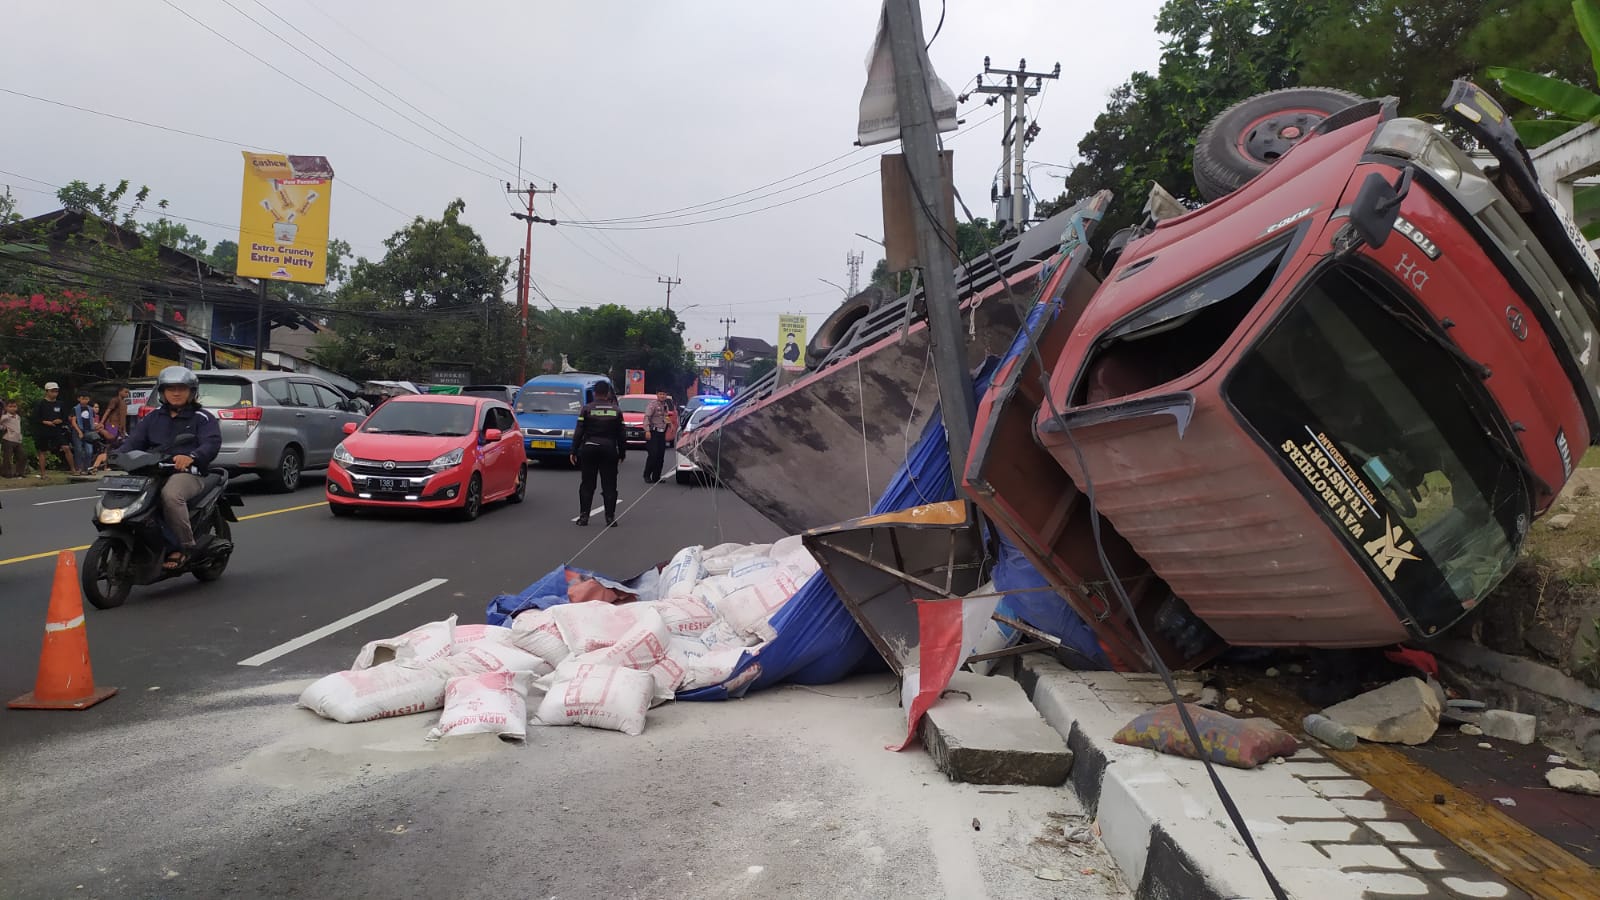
{"points": [[1249, 136]]}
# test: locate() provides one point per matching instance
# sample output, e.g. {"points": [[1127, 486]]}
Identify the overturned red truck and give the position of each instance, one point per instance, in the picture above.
{"points": [[1322, 409]]}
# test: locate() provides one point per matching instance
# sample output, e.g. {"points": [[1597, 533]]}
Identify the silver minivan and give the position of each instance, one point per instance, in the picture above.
{"points": [[277, 424]]}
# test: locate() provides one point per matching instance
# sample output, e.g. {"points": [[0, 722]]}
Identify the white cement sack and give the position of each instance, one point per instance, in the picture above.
{"points": [[681, 573], [710, 591], [710, 668], [786, 547], [378, 692], [594, 626], [468, 635], [486, 703], [720, 550], [747, 570], [488, 656], [721, 635], [535, 631], [668, 674], [417, 647], [748, 607], [685, 616], [641, 646], [609, 697], [687, 647], [802, 562], [720, 563]]}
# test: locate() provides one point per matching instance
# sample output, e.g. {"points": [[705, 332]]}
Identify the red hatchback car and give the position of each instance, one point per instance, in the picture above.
{"points": [[430, 452]]}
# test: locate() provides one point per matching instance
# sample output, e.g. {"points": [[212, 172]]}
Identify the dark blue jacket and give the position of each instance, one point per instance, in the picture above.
{"points": [[157, 430]]}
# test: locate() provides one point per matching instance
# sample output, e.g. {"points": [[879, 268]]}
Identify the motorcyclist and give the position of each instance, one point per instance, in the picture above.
{"points": [[179, 414]]}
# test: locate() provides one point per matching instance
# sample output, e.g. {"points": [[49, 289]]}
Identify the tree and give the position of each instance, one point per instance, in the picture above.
{"points": [[1558, 105], [972, 239], [435, 297], [176, 235], [106, 202], [224, 256], [8, 208], [611, 339]]}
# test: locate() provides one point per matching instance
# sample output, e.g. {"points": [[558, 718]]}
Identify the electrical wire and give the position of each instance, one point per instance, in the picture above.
{"points": [[938, 28]]}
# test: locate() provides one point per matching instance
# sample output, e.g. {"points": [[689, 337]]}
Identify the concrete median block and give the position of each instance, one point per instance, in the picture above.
{"points": [[995, 737]]}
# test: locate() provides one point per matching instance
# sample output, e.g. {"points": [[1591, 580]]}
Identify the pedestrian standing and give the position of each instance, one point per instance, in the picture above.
{"points": [[598, 445], [52, 434], [84, 423], [657, 420], [12, 463]]}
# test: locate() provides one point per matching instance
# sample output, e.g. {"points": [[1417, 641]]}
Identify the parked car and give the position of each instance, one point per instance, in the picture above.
{"points": [[686, 470], [505, 393], [547, 412], [430, 452], [275, 424]]}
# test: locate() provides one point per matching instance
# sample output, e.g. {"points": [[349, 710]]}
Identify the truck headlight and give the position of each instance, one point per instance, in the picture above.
{"points": [[448, 460], [1416, 140]]}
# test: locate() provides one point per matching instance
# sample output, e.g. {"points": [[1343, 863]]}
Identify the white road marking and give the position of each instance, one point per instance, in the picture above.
{"points": [[312, 637], [68, 500], [593, 512]]}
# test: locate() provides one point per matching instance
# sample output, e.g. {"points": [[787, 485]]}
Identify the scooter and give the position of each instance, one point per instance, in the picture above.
{"points": [[134, 543]]}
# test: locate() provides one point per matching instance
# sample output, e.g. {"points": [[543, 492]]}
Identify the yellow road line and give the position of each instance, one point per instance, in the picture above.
{"points": [[50, 553], [44, 555]]}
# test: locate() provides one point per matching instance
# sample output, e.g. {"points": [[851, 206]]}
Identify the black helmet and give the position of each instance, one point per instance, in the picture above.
{"points": [[172, 376]]}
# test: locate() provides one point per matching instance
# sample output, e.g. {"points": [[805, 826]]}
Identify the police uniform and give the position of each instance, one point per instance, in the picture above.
{"points": [[599, 444]]}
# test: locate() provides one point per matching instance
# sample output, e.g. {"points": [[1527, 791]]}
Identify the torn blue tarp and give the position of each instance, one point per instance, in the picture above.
{"points": [[568, 584], [1043, 609]]}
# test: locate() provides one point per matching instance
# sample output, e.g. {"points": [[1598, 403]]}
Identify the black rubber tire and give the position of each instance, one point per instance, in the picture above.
{"points": [[285, 477], [472, 502], [685, 478], [219, 532], [340, 511], [521, 493], [101, 552], [1247, 137]]}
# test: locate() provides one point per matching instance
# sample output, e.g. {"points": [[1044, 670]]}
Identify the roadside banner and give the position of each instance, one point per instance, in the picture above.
{"points": [[635, 381], [229, 360], [792, 343], [153, 364], [283, 218]]}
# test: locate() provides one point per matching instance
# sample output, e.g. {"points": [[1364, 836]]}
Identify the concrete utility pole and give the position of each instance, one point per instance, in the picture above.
{"points": [[919, 140], [1011, 204], [669, 282], [526, 277]]}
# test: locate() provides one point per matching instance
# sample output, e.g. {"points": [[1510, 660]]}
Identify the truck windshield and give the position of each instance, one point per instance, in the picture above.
{"points": [[1376, 423]]}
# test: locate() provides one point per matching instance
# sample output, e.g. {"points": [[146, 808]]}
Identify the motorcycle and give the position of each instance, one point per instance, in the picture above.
{"points": [[133, 542]]}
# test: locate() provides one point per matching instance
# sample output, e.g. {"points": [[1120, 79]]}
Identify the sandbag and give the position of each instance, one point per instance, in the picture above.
{"points": [[379, 692], [609, 697], [1241, 743], [708, 592], [490, 656], [685, 616], [535, 631], [783, 548], [721, 635], [668, 673], [761, 593], [681, 574], [594, 626], [417, 647], [468, 635], [722, 563], [710, 668], [641, 646], [485, 703]]}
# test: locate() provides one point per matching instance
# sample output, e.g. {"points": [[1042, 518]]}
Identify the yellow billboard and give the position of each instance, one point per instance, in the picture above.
{"points": [[792, 343], [283, 218]]}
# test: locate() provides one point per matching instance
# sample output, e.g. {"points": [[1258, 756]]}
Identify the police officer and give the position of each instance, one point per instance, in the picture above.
{"points": [[180, 413], [598, 445]]}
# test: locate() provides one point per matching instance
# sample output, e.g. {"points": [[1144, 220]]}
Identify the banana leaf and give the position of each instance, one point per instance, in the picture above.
{"points": [[1535, 132], [1550, 94], [1588, 13]]}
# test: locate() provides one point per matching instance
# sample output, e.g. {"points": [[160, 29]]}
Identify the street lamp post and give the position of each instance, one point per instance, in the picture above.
{"points": [[842, 288]]}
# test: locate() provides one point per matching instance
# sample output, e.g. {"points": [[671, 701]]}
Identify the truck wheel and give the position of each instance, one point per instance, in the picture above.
{"points": [[1252, 134], [285, 477]]}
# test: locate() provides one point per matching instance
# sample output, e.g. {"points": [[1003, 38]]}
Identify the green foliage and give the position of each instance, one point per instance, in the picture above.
{"points": [[176, 235], [224, 256], [435, 297], [972, 239], [106, 202], [760, 368], [54, 334], [8, 208], [610, 339]]}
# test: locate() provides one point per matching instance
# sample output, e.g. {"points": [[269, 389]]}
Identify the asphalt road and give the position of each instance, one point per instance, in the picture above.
{"points": [[202, 779]]}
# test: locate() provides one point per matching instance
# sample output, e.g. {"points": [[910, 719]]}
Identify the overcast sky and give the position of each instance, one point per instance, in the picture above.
{"points": [[632, 108]]}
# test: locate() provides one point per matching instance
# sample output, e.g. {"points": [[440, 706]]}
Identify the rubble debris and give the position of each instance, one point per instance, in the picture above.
{"points": [[1050, 875], [1556, 760], [1471, 730], [1505, 801], [1509, 726], [1272, 672], [1224, 739], [1233, 705], [1210, 697], [997, 737], [1401, 712], [1465, 704], [1561, 522], [1574, 781], [1485, 746]]}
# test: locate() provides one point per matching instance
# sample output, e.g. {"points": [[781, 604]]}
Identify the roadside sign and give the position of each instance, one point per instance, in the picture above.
{"points": [[792, 343], [283, 218], [727, 355]]}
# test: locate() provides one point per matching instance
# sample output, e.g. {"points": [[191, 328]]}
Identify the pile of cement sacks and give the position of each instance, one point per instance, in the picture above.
{"points": [[592, 663]]}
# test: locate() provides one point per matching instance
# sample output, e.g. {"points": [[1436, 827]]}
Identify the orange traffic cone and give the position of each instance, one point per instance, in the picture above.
{"points": [[65, 680]]}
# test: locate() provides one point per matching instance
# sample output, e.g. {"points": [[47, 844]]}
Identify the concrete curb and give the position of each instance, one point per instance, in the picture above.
{"points": [[1326, 834]]}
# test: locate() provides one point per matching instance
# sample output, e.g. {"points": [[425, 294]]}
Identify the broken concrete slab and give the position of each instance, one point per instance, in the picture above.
{"points": [[996, 737], [1509, 726], [1561, 522], [1574, 781], [1401, 712]]}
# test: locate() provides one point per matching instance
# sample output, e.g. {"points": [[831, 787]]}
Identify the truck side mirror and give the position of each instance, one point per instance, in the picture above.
{"points": [[1377, 207]]}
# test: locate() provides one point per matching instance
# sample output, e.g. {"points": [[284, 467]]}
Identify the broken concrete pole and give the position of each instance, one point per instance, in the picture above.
{"points": [[1574, 781], [1561, 522], [996, 737], [1403, 712], [1509, 726]]}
